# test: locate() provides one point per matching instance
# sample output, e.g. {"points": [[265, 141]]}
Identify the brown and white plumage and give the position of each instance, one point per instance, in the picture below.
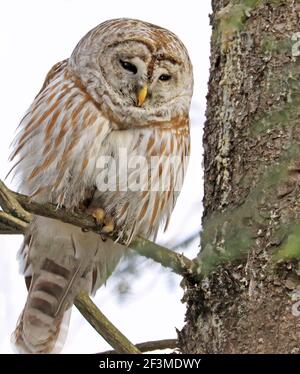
{"points": [[88, 109]]}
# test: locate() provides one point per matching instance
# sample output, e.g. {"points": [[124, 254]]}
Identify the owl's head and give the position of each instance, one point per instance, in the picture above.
{"points": [[136, 71]]}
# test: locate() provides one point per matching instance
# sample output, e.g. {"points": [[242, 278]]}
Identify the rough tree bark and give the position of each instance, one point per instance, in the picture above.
{"points": [[249, 298]]}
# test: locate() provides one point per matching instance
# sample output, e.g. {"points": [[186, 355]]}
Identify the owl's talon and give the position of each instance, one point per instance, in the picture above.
{"points": [[108, 226], [105, 222], [98, 214]]}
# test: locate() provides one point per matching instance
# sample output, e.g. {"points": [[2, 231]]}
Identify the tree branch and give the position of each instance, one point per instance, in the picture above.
{"points": [[103, 326], [20, 206], [177, 262], [154, 345]]}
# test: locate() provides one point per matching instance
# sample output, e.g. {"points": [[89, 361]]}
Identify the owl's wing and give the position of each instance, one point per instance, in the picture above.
{"points": [[59, 140]]}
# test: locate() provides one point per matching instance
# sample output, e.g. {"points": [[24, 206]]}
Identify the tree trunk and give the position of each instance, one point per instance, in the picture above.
{"points": [[249, 298]]}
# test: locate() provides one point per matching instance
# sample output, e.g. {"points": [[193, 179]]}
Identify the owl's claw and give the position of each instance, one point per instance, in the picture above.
{"points": [[108, 226], [98, 214], [106, 222]]}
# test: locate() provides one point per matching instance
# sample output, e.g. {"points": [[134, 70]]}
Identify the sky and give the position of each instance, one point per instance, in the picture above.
{"points": [[34, 35]]}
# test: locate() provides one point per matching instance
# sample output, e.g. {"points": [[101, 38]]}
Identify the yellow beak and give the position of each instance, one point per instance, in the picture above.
{"points": [[141, 95]]}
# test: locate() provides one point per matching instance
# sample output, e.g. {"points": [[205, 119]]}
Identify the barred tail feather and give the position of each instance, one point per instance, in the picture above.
{"points": [[22, 346], [43, 324]]}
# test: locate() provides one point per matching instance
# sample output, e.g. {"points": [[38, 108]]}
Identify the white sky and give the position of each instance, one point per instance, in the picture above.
{"points": [[36, 34]]}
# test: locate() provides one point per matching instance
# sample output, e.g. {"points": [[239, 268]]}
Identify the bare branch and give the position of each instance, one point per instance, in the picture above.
{"points": [[17, 203], [154, 345], [177, 262], [103, 326]]}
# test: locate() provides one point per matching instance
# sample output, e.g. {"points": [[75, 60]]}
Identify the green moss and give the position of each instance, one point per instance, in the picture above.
{"points": [[226, 237], [233, 16], [229, 235], [283, 87], [270, 45], [288, 84], [275, 2], [251, 3], [269, 181], [291, 247], [236, 18], [285, 115], [275, 46], [236, 244]]}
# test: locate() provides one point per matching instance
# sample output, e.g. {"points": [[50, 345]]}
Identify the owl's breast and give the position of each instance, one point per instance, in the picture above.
{"points": [[140, 176]]}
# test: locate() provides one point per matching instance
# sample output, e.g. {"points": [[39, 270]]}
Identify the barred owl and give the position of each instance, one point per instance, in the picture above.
{"points": [[123, 95]]}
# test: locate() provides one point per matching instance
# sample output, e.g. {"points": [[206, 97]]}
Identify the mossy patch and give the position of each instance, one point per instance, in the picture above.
{"points": [[291, 247], [235, 244], [284, 115], [232, 19], [272, 44], [229, 235]]}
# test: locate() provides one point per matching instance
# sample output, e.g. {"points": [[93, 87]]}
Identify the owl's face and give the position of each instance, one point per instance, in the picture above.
{"points": [[141, 78], [135, 70]]}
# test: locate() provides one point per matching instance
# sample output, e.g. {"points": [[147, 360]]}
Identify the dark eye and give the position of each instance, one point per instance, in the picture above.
{"points": [[128, 66], [165, 77]]}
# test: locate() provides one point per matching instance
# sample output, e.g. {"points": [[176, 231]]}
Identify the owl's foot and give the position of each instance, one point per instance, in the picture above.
{"points": [[109, 226], [106, 222], [98, 214]]}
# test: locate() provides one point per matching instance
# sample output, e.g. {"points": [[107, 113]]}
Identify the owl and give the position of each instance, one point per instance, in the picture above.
{"points": [[108, 134]]}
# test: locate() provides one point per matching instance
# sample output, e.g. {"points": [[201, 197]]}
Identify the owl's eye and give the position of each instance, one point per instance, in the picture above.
{"points": [[165, 77], [128, 66]]}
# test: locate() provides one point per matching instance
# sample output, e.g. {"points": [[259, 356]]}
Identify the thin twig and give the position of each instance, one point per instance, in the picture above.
{"points": [[103, 326], [155, 345], [167, 258]]}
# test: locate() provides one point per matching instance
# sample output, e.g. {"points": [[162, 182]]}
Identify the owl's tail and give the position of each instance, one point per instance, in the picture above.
{"points": [[44, 322], [58, 261]]}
